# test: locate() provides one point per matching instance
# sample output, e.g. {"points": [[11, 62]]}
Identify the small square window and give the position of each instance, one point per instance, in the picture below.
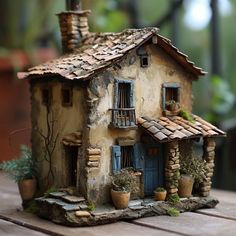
{"points": [[46, 96], [144, 61], [66, 94], [126, 156], [171, 96]]}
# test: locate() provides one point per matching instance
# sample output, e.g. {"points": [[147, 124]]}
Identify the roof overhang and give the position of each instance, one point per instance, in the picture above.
{"points": [[167, 129]]}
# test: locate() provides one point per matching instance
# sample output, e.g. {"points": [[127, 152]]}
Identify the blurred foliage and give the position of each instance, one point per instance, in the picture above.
{"points": [[221, 99], [28, 24]]}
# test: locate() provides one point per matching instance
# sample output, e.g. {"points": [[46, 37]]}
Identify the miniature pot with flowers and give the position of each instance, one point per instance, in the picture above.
{"points": [[123, 183], [173, 105], [160, 194], [23, 171], [192, 170]]}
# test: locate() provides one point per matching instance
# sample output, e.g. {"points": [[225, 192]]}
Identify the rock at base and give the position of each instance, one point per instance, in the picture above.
{"points": [[82, 214]]}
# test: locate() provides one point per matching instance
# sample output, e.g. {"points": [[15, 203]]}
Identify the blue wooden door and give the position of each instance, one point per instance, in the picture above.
{"points": [[153, 168]]}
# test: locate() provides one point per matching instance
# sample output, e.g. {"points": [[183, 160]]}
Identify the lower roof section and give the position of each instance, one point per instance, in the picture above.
{"points": [[166, 129]]}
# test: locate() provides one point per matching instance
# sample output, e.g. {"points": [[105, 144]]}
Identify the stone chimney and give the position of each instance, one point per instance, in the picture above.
{"points": [[73, 25]]}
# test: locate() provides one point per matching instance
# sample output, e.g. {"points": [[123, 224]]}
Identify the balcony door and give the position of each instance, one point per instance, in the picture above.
{"points": [[123, 115]]}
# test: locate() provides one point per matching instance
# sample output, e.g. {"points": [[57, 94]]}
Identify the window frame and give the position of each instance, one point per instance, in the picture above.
{"points": [[116, 93], [166, 86], [142, 58], [137, 158]]}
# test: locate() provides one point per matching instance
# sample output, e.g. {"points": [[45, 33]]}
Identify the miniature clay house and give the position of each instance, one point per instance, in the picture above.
{"points": [[105, 105]]}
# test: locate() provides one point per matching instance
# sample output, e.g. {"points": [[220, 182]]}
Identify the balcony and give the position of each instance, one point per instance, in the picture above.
{"points": [[123, 118]]}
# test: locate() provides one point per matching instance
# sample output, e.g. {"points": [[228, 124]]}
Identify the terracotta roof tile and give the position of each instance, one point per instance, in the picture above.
{"points": [[153, 130], [166, 129], [146, 125], [160, 136], [159, 126], [101, 50]]}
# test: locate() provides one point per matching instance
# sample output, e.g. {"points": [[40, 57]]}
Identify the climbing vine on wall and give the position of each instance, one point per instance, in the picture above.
{"points": [[49, 138]]}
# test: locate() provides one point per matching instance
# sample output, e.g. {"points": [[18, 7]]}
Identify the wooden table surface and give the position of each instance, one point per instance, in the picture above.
{"points": [[218, 221]]}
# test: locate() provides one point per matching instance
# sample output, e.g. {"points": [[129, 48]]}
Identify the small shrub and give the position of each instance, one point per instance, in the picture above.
{"points": [[172, 212], [91, 206], [124, 181], [174, 198], [194, 167], [186, 115], [21, 168], [160, 189]]}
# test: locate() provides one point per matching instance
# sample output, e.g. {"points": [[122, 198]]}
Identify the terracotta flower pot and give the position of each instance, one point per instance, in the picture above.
{"points": [[27, 189], [160, 196], [120, 199], [174, 107], [185, 186]]}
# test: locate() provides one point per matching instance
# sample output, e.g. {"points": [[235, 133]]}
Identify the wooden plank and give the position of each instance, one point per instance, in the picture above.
{"points": [[191, 224], [223, 210], [115, 229], [8, 228]]}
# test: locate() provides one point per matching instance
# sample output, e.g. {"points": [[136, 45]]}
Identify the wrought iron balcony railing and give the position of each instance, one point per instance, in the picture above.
{"points": [[123, 118]]}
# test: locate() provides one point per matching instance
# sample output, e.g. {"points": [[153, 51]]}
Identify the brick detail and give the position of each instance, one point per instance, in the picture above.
{"points": [[93, 156]]}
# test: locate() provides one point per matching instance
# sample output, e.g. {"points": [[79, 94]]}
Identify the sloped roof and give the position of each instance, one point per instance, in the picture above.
{"points": [[166, 129], [100, 50]]}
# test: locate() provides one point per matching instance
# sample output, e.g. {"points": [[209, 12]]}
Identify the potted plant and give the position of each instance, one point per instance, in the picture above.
{"points": [[192, 170], [123, 183], [160, 194], [23, 171], [172, 105]]}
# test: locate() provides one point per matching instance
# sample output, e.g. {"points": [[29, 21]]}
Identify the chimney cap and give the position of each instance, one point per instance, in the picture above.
{"points": [[81, 12]]}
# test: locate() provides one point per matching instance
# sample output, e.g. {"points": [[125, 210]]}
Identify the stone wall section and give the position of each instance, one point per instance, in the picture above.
{"points": [[208, 156], [93, 157], [172, 167]]}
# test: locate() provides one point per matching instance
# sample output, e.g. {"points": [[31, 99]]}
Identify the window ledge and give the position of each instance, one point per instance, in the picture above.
{"points": [[170, 113], [112, 126]]}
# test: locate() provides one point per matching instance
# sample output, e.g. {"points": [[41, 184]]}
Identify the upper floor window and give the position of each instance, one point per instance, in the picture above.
{"points": [[66, 96], [46, 94], [170, 96], [144, 58], [144, 61], [123, 113]]}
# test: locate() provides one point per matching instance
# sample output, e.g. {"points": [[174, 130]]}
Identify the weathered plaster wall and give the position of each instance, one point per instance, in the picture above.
{"points": [[66, 120], [147, 93]]}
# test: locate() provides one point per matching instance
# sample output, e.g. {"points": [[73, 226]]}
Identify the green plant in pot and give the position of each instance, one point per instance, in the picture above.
{"points": [[23, 171], [123, 183], [160, 194], [192, 171]]}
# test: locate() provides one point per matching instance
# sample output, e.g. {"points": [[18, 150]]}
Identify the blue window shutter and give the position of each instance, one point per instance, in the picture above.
{"points": [[138, 156], [116, 158]]}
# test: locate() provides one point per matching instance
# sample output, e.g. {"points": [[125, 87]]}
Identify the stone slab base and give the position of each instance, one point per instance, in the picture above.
{"points": [[73, 215]]}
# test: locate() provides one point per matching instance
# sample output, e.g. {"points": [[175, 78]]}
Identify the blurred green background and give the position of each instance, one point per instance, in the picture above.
{"points": [[32, 24]]}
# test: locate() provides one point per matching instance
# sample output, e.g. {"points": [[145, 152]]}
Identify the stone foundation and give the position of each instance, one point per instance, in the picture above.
{"points": [[78, 214], [172, 167], [208, 156]]}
